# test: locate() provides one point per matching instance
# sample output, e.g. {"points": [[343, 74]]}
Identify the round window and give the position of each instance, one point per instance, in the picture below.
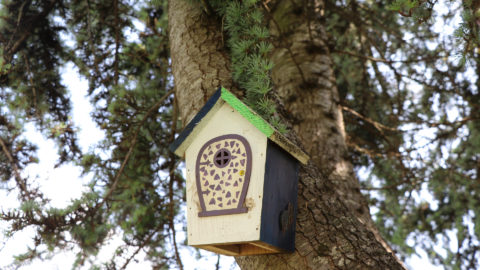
{"points": [[222, 157]]}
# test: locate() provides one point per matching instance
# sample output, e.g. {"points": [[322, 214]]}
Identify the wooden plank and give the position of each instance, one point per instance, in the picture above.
{"points": [[241, 227], [230, 250], [241, 249], [266, 246], [291, 148], [249, 249]]}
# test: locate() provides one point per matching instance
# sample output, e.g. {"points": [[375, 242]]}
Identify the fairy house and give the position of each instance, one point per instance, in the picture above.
{"points": [[242, 179]]}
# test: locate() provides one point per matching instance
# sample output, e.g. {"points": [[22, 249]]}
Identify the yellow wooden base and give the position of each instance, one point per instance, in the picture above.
{"points": [[241, 249]]}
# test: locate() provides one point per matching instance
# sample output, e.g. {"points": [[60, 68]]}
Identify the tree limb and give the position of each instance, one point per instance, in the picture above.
{"points": [[20, 182], [130, 149]]}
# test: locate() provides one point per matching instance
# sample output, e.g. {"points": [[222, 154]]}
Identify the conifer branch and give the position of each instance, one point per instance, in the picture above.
{"points": [[130, 149], [34, 89], [20, 182], [29, 26]]}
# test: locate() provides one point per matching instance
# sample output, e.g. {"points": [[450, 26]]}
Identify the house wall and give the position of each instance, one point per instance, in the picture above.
{"points": [[231, 228], [280, 199]]}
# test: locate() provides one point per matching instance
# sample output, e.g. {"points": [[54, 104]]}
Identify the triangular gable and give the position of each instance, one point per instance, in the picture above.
{"points": [[214, 103]]}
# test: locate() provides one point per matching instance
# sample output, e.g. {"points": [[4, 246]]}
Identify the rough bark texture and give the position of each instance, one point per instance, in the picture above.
{"points": [[199, 62], [311, 99], [334, 229]]}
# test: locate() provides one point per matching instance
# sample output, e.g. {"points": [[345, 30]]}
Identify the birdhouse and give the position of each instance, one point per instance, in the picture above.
{"points": [[242, 179]]}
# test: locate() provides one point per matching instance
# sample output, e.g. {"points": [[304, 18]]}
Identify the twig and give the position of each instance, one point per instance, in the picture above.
{"points": [[34, 90], [362, 56], [170, 185], [117, 41], [138, 249], [16, 170], [370, 153], [409, 14], [382, 60], [130, 150], [217, 266], [377, 125], [20, 13]]}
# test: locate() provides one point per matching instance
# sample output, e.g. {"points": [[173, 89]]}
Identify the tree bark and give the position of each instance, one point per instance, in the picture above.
{"points": [[199, 62], [334, 228]]}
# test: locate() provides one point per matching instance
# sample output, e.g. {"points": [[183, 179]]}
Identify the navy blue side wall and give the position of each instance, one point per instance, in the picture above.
{"points": [[280, 189]]}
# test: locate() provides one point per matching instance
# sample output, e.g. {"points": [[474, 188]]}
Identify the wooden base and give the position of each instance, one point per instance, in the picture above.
{"points": [[242, 249]]}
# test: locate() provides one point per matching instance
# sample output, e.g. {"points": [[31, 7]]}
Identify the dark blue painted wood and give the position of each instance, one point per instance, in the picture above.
{"points": [[189, 128], [280, 190]]}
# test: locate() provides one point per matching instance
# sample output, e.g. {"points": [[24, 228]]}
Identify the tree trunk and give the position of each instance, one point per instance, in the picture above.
{"points": [[199, 62], [334, 228]]}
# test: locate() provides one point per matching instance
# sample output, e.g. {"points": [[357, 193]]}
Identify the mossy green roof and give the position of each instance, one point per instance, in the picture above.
{"points": [[246, 112]]}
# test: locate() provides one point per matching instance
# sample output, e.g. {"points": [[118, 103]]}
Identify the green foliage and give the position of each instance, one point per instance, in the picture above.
{"points": [[399, 5], [250, 48]]}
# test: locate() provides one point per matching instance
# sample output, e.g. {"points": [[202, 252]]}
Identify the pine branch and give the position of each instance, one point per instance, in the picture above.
{"points": [[21, 183], [130, 149], [28, 27]]}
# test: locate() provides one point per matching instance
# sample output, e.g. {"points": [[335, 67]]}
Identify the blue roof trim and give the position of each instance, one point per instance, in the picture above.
{"points": [[189, 128]]}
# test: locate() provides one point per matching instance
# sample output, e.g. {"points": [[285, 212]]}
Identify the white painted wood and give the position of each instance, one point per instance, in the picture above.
{"points": [[234, 227], [180, 151]]}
